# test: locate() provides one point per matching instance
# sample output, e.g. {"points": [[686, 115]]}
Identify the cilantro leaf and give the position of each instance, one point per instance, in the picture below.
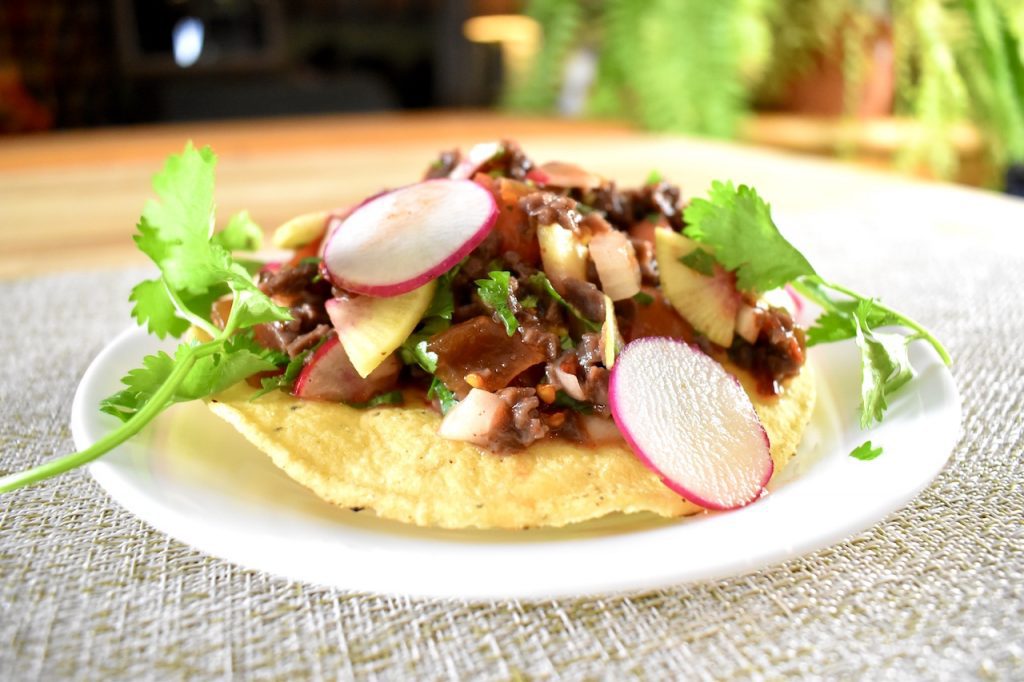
{"points": [[737, 225], [865, 451], [413, 350], [540, 281], [155, 309], [241, 234], [443, 303], [495, 294], [653, 178], [700, 260], [286, 379], [643, 298], [443, 394], [237, 359], [886, 366], [196, 268], [563, 399], [241, 357]]}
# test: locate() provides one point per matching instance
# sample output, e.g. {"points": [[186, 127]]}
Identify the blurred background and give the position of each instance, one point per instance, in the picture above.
{"points": [[929, 87]]}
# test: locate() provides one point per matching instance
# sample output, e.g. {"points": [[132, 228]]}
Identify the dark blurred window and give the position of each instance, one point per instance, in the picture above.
{"points": [[128, 61]]}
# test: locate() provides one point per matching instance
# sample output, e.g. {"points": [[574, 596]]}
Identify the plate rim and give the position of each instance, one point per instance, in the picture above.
{"points": [[178, 525]]}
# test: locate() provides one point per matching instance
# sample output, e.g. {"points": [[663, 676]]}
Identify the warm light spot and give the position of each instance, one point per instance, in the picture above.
{"points": [[519, 37]]}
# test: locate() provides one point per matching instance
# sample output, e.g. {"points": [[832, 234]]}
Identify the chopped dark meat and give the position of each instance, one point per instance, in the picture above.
{"points": [[535, 336], [479, 353], [616, 205], [648, 265], [306, 341], [444, 164], [519, 267], [662, 198], [595, 388], [588, 351], [510, 162], [779, 352], [546, 208], [587, 298], [623, 208], [293, 286], [526, 426], [289, 281]]}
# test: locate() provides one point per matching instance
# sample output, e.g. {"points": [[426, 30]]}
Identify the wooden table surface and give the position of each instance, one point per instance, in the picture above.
{"points": [[70, 200]]}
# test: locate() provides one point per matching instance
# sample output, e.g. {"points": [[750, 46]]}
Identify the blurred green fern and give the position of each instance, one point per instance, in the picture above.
{"points": [[698, 66]]}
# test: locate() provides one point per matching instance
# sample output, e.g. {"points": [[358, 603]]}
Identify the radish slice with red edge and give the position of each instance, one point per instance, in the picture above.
{"points": [[407, 237], [475, 159], [691, 422]]}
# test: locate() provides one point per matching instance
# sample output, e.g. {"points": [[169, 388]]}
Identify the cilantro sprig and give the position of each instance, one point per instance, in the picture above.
{"points": [[196, 268], [736, 225], [496, 294]]}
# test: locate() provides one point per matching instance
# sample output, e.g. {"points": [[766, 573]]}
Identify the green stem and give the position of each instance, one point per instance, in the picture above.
{"points": [[813, 294], [151, 409], [189, 315]]}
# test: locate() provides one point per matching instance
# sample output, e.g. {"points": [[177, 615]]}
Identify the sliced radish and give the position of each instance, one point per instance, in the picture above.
{"points": [[473, 161], [371, 328], [330, 376], [616, 263], [690, 422], [407, 237], [475, 417]]}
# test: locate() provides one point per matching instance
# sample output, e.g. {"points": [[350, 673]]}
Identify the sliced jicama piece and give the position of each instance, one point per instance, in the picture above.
{"points": [[371, 328], [330, 376], [691, 422], [301, 230], [611, 339], [475, 417], [407, 237], [562, 253], [710, 304], [616, 263]]}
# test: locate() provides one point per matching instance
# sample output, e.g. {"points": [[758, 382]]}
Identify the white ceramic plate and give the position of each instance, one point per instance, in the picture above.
{"points": [[192, 476]]}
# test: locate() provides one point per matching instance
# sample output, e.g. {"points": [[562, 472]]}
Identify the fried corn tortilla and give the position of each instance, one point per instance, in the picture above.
{"points": [[391, 460]]}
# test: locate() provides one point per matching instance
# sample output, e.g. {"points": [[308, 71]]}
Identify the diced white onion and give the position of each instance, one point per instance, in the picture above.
{"points": [[748, 322], [570, 384], [616, 264], [475, 417]]}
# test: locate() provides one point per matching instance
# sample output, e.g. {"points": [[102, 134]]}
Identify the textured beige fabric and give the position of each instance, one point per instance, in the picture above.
{"points": [[935, 591]]}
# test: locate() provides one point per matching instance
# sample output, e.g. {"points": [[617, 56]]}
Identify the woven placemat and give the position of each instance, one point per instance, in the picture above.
{"points": [[934, 591]]}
